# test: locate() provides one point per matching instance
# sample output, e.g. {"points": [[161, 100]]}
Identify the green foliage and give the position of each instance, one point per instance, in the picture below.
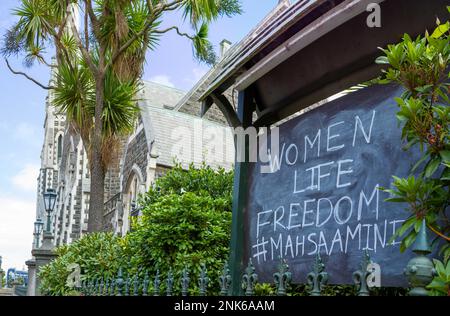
{"points": [[330, 290], [100, 62], [98, 255], [75, 96], [441, 282], [40, 23], [423, 198], [186, 222], [421, 66], [202, 181], [265, 289]]}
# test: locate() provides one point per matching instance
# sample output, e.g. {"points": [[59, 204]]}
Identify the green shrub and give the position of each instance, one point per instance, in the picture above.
{"points": [[186, 222], [97, 254], [421, 66]]}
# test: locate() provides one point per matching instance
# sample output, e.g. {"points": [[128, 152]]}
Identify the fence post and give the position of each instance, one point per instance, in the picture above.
{"points": [[107, 286], [145, 285], [92, 287], [282, 277], [156, 284], [169, 282], [249, 279], [360, 276], [203, 281], [420, 270], [225, 280], [318, 278], [86, 287], [96, 288], [136, 285], [185, 282], [119, 283], [113, 286], [127, 284], [101, 287]]}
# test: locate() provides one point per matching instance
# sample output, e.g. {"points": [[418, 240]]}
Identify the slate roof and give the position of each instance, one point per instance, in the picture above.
{"points": [[166, 129]]}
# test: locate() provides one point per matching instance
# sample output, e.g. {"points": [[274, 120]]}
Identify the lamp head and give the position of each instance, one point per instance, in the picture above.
{"points": [[50, 200]]}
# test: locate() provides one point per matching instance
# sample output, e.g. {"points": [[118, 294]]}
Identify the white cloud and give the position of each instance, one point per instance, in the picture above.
{"points": [[162, 79], [16, 231], [26, 178], [196, 75]]}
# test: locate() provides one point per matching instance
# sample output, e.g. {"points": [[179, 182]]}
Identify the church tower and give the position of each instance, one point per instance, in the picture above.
{"points": [[55, 128]]}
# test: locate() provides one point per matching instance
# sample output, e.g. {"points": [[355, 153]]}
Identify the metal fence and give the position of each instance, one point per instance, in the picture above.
{"points": [[20, 290], [123, 285]]}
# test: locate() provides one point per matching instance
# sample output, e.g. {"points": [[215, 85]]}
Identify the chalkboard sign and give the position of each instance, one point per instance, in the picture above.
{"points": [[323, 195]]}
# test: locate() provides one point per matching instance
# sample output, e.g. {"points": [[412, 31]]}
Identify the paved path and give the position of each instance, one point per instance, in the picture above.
{"points": [[6, 292]]}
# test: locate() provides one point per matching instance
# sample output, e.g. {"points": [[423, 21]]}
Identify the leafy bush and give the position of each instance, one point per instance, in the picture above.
{"points": [[97, 254], [265, 289], [421, 66], [441, 282], [186, 222]]}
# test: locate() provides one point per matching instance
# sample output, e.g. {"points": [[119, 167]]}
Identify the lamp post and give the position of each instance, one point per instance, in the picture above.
{"points": [[45, 253], [1, 273], [38, 227], [49, 204]]}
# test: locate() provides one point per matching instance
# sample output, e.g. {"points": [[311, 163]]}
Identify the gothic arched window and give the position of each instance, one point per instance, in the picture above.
{"points": [[60, 147]]}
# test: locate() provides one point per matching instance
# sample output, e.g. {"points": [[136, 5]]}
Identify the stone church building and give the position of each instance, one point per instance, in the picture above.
{"points": [[172, 126], [165, 121]]}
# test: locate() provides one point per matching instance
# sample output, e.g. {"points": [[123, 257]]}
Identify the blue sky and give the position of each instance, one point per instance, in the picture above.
{"points": [[22, 106]]}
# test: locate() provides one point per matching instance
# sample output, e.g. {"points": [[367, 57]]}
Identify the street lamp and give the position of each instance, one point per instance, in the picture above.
{"points": [[49, 204], [38, 227], [1, 273]]}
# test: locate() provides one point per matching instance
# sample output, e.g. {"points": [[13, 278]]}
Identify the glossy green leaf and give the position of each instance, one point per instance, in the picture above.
{"points": [[445, 155], [440, 30], [432, 167]]}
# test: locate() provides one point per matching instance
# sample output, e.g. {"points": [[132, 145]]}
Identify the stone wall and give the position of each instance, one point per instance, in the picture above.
{"points": [[193, 107], [136, 153], [112, 177]]}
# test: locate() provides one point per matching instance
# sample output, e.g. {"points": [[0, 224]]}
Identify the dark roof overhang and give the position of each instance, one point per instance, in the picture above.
{"points": [[316, 49]]}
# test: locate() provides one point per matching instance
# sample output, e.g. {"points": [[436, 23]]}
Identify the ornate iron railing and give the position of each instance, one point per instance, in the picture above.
{"points": [[135, 285], [20, 290], [112, 204]]}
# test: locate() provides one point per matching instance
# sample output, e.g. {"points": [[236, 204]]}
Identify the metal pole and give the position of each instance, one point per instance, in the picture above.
{"points": [[48, 221], [237, 260]]}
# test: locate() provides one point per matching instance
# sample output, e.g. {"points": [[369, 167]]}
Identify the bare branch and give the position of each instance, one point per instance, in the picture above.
{"points": [[28, 77], [86, 28], [176, 29], [43, 61], [94, 20]]}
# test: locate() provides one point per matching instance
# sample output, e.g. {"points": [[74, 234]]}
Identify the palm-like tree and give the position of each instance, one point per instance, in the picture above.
{"points": [[98, 67]]}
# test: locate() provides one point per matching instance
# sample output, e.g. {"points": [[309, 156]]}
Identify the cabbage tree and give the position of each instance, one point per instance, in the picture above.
{"points": [[98, 64]]}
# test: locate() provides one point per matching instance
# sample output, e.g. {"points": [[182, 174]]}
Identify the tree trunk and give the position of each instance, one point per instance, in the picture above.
{"points": [[96, 202]]}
